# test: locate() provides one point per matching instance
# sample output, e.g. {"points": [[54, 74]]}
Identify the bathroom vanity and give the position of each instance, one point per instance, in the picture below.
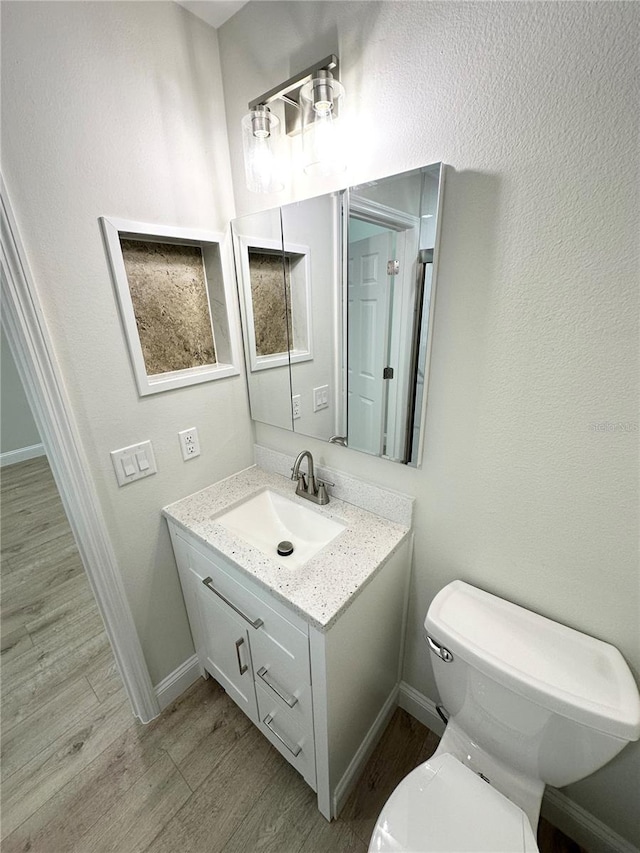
{"points": [[310, 653]]}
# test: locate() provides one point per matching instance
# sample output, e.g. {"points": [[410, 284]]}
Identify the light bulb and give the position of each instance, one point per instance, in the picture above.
{"points": [[261, 163], [323, 150]]}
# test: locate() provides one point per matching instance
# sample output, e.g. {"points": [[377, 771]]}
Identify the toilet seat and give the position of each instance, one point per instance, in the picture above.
{"points": [[444, 807]]}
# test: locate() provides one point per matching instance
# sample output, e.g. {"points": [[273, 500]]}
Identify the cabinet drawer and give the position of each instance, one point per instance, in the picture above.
{"points": [[274, 629], [285, 730], [285, 689], [286, 661]]}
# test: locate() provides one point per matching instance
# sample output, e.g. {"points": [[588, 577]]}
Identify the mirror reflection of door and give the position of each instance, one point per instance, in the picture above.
{"points": [[382, 299], [368, 316]]}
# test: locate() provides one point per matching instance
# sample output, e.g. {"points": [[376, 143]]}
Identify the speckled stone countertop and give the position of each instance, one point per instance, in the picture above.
{"points": [[322, 588]]}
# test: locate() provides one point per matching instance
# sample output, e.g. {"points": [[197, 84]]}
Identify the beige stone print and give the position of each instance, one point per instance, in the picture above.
{"points": [[168, 291], [271, 313]]}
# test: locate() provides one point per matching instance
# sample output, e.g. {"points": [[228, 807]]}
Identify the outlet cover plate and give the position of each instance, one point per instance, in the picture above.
{"points": [[189, 443], [296, 405]]}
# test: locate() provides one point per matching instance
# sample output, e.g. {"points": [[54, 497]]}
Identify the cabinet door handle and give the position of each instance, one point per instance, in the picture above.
{"points": [[294, 750], [263, 672], [255, 623], [241, 666]]}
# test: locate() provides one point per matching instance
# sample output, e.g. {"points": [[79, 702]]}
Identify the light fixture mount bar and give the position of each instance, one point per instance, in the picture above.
{"points": [[289, 92]]}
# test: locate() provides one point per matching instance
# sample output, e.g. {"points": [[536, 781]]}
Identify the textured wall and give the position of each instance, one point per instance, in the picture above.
{"points": [[271, 301], [169, 295], [18, 427], [114, 109], [534, 105]]}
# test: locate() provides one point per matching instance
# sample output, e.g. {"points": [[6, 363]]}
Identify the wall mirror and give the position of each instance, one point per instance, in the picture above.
{"points": [[337, 297]]}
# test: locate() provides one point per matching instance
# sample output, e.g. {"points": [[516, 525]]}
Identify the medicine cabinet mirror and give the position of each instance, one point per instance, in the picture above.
{"points": [[337, 297]]}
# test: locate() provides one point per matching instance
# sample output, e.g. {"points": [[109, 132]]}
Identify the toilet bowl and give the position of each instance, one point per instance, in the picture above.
{"points": [[443, 806], [530, 702]]}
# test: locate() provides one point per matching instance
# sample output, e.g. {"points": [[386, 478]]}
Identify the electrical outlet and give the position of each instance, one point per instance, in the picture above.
{"points": [[189, 443], [320, 398], [296, 405]]}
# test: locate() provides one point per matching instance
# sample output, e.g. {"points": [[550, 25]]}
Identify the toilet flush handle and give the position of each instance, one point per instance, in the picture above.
{"points": [[439, 650]]}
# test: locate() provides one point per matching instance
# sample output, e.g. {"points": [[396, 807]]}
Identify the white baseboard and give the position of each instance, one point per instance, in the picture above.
{"points": [[420, 707], [357, 763], [177, 682], [579, 824], [11, 457]]}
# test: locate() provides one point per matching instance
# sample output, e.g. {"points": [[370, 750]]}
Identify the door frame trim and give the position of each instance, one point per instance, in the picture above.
{"points": [[30, 343]]}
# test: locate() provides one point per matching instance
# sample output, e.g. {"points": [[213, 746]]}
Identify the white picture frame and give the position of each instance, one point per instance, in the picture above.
{"points": [[220, 300], [300, 303]]}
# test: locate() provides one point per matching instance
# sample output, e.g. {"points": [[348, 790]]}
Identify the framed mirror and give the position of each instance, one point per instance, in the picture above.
{"points": [[317, 385], [351, 287], [266, 315]]}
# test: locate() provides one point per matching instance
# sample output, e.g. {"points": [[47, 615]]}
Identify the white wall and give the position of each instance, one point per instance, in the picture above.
{"points": [[116, 109], [536, 334], [18, 429], [315, 224]]}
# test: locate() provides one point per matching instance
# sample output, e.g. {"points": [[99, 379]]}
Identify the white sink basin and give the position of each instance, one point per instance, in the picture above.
{"points": [[267, 519]]}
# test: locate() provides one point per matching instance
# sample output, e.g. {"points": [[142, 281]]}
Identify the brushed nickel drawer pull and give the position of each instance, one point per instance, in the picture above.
{"points": [[242, 667], [255, 623], [294, 750], [263, 672]]}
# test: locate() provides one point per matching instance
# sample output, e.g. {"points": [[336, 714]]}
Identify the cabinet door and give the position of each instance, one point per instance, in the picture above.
{"points": [[190, 582], [227, 652]]}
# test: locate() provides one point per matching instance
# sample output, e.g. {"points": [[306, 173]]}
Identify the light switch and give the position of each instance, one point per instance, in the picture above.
{"points": [[141, 459], [127, 466], [133, 463], [320, 398]]}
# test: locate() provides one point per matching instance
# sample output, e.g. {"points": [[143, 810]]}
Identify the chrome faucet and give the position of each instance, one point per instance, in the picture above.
{"points": [[308, 487]]}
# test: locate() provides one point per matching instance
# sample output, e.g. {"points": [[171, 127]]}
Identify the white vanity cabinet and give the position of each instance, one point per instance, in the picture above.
{"points": [[322, 697], [260, 655]]}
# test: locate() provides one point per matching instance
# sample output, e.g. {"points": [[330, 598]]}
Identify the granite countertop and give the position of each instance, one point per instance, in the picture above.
{"points": [[323, 587]]}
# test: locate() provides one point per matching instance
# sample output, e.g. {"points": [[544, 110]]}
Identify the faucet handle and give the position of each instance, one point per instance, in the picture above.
{"points": [[323, 482], [322, 496]]}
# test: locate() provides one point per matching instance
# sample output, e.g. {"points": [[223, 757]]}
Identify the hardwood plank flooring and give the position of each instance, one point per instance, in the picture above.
{"points": [[132, 823], [26, 740], [81, 775]]}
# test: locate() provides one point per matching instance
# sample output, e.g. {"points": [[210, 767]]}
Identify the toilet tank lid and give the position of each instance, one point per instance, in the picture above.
{"points": [[564, 670]]}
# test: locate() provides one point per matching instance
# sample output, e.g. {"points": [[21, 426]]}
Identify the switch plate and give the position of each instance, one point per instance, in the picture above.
{"points": [[133, 463], [320, 398], [296, 406], [189, 443]]}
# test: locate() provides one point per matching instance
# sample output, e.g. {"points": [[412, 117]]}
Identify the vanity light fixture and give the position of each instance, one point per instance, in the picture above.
{"points": [[262, 167], [312, 101]]}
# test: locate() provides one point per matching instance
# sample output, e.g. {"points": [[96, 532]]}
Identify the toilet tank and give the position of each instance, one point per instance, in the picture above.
{"points": [[550, 701]]}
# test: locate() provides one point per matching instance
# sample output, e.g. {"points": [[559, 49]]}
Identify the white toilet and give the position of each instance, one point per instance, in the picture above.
{"points": [[530, 702]]}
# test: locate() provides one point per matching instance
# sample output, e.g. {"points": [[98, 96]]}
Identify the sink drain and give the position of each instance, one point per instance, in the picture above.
{"points": [[285, 548]]}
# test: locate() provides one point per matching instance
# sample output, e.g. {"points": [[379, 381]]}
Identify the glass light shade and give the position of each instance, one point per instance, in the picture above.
{"points": [[263, 170], [322, 146]]}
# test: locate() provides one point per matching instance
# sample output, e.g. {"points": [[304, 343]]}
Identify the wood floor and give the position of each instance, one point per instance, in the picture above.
{"points": [[80, 775]]}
